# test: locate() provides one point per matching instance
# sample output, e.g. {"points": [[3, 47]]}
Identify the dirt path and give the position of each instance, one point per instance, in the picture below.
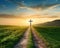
{"points": [[23, 42], [39, 43]]}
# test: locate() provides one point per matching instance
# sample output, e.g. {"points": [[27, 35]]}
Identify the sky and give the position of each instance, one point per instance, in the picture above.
{"points": [[29, 9], [30, 6]]}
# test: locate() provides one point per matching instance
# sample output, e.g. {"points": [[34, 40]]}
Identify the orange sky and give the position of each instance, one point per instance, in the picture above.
{"points": [[24, 21]]}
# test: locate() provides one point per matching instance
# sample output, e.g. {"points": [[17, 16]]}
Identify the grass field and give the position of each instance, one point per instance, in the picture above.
{"points": [[51, 35], [10, 35]]}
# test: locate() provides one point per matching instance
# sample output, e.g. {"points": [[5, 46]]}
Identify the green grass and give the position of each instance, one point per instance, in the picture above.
{"points": [[30, 41], [51, 35], [10, 35]]}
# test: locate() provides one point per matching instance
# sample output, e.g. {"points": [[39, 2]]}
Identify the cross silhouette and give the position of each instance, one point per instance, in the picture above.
{"points": [[30, 22]]}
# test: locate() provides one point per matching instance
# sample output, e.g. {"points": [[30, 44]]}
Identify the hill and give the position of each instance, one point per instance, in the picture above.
{"points": [[52, 23]]}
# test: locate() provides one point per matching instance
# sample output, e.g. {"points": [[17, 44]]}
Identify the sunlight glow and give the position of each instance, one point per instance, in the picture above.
{"points": [[24, 21]]}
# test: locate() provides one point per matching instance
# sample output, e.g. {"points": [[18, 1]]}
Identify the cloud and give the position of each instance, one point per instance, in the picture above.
{"points": [[28, 15], [29, 8], [7, 16], [51, 11], [42, 5], [47, 11], [39, 5], [38, 8], [54, 7]]}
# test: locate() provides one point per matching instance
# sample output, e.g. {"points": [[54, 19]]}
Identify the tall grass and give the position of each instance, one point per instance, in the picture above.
{"points": [[51, 35]]}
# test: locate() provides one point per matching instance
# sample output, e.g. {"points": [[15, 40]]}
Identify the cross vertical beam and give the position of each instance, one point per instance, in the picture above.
{"points": [[30, 24]]}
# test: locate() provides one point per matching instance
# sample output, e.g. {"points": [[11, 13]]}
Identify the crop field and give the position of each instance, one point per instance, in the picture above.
{"points": [[51, 35], [10, 35]]}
